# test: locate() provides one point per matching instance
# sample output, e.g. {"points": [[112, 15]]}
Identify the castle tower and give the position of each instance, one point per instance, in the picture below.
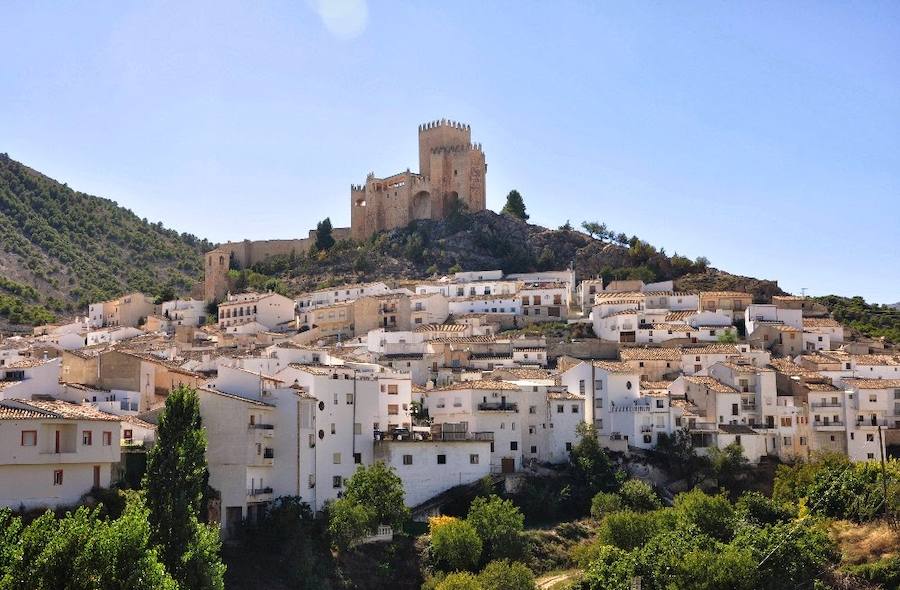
{"points": [[451, 168], [215, 280], [440, 134]]}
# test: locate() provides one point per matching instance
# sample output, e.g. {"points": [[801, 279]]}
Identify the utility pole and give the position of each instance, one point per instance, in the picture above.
{"points": [[883, 473]]}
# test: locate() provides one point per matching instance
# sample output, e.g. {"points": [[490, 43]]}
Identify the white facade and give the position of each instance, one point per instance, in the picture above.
{"points": [[184, 312], [27, 377], [52, 453], [271, 310]]}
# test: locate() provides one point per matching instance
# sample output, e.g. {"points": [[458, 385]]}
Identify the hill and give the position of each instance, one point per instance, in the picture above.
{"points": [[61, 249], [487, 240]]}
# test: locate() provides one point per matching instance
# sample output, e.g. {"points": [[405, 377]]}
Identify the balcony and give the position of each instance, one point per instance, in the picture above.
{"points": [[830, 425], [870, 423], [498, 407], [826, 404], [262, 426], [751, 406], [260, 494], [646, 428]]}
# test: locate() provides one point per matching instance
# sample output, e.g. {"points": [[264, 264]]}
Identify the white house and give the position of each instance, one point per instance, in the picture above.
{"points": [[273, 311], [27, 377], [52, 453]]}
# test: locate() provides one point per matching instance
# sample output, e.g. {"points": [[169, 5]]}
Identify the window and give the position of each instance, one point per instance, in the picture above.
{"points": [[473, 459], [333, 429], [873, 397], [514, 445], [336, 481], [127, 434], [574, 408], [532, 409], [787, 441], [357, 428], [392, 389], [581, 386], [407, 460], [357, 458], [29, 438], [802, 441], [598, 385], [442, 459], [628, 385], [870, 438], [349, 399], [336, 458], [312, 480], [335, 399], [86, 437], [533, 450], [568, 446], [393, 409], [785, 420], [560, 408], [107, 438], [58, 477]]}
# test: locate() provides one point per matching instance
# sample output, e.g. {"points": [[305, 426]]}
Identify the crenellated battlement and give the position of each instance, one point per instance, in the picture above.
{"points": [[451, 168], [457, 148], [444, 123]]}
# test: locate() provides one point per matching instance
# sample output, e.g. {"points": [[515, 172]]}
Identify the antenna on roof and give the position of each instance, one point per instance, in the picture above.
{"points": [[803, 291]]}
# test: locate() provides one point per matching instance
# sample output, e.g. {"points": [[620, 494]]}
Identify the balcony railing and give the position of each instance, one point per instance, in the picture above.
{"points": [[256, 492], [262, 426], [748, 405], [829, 423], [498, 407], [826, 404], [646, 428]]}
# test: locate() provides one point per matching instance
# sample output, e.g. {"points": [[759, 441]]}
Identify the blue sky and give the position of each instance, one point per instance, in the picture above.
{"points": [[763, 135]]}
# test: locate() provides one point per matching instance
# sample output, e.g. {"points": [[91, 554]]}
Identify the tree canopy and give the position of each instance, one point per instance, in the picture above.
{"points": [[174, 485], [515, 205]]}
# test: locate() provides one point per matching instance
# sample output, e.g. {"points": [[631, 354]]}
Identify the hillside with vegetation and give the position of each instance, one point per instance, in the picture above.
{"points": [[61, 249], [488, 240], [869, 319]]}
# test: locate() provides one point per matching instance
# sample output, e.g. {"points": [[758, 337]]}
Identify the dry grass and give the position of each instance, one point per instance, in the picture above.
{"points": [[865, 543]]}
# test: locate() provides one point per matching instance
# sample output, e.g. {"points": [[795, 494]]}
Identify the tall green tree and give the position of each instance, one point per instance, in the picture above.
{"points": [[374, 496], [499, 524], [594, 228], [515, 205], [592, 468], [174, 484], [324, 239]]}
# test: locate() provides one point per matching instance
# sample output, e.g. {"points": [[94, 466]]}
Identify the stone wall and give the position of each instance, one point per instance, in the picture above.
{"points": [[249, 252]]}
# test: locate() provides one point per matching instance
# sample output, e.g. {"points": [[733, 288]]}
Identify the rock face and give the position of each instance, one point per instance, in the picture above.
{"points": [[487, 240]]}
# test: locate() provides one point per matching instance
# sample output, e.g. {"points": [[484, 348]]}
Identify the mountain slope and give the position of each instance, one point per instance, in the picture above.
{"points": [[60, 249]]}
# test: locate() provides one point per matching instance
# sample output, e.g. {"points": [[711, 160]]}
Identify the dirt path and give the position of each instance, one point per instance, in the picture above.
{"points": [[551, 580]]}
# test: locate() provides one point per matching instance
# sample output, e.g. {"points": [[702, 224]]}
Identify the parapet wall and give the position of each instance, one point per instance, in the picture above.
{"points": [[249, 252]]}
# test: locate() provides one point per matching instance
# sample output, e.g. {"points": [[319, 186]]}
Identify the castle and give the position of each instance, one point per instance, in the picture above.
{"points": [[451, 168]]}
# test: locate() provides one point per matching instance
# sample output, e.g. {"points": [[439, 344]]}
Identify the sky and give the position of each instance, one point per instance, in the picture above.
{"points": [[762, 135]]}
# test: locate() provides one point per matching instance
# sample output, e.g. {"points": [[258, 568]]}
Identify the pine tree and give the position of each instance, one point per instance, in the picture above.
{"points": [[515, 206], [174, 485], [324, 239]]}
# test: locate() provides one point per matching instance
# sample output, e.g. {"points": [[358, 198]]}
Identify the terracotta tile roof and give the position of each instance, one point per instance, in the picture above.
{"points": [[742, 368], [526, 373], [7, 384], [56, 409], [11, 410], [674, 327], [658, 353], [679, 316], [820, 323], [788, 367], [725, 294], [312, 369], [135, 421], [614, 367], [655, 385], [483, 384], [442, 328], [873, 383], [711, 384], [465, 340], [710, 349], [820, 386], [26, 363]]}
